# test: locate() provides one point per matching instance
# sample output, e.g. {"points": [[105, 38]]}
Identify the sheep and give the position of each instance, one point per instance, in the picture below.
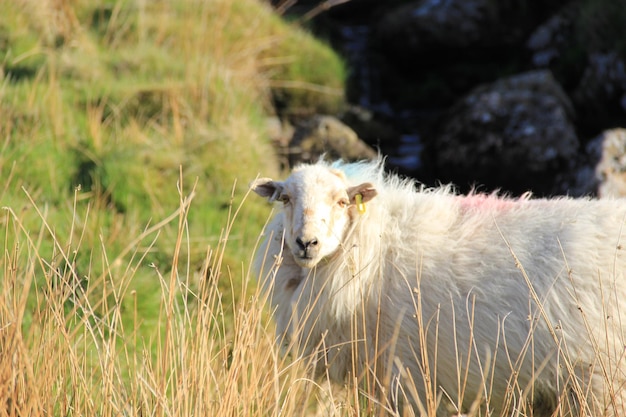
{"points": [[452, 300]]}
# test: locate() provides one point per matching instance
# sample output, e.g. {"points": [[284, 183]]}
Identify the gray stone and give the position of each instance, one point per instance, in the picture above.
{"points": [[515, 133], [329, 137], [611, 170]]}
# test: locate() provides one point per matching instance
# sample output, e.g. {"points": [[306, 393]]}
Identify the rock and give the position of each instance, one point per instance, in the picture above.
{"points": [[431, 24], [601, 93], [371, 129], [611, 170], [435, 51], [515, 134], [579, 44], [550, 41], [427, 25], [413, 61], [326, 135], [280, 133], [580, 179]]}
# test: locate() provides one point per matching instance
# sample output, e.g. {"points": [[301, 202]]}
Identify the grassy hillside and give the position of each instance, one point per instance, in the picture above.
{"points": [[129, 131], [106, 104]]}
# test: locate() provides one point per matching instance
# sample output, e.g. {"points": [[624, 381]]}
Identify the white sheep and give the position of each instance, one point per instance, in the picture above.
{"points": [[468, 299]]}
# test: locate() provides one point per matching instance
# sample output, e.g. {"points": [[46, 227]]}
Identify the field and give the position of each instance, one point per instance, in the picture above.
{"points": [[84, 343], [129, 131]]}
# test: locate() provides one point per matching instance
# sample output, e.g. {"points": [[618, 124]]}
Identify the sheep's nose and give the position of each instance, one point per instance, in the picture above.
{"points": [[306, 244]]}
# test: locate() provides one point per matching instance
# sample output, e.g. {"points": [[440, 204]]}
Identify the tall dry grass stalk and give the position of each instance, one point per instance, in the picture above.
{"points": [[71, 341], [372, 391]]}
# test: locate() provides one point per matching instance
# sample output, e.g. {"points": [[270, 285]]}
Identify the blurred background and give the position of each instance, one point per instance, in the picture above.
{"points": [[514, 95], [124, 105], [112, 110], [121, 106], [130, 130]]}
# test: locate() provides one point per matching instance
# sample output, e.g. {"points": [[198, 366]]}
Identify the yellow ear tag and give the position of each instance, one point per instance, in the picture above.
{"points": [[360, 205]]}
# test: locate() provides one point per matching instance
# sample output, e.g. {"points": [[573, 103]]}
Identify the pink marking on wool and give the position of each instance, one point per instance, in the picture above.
{"points": [[488, 202]]}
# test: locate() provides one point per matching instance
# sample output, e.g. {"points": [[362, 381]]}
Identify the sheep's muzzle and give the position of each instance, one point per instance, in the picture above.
{"points": [[306, 251]]}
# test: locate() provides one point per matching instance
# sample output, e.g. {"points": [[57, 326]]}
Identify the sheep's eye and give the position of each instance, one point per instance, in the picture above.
{"points": [[284, 198], [343, 203]]}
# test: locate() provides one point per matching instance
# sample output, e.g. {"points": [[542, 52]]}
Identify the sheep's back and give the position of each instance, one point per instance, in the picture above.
{"points": [[497, 272]]}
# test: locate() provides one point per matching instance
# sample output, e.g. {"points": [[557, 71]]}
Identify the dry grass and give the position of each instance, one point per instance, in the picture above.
{"points": [[110, 301], [373, 394], [71, 342], [118, 295]]}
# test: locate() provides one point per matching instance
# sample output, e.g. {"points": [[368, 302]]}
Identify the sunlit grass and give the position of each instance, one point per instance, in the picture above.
{"points": [[116, 97], [81, 342], [129, 132], [114, 114], [127, 333]]}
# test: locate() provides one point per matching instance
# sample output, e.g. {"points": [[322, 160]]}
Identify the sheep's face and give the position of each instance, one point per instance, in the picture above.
{"points": [[318, 207]]}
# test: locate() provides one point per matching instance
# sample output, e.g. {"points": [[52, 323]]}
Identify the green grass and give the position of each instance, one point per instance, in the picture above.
{"points": [[119, 97], [129, 133], [81, 341]]}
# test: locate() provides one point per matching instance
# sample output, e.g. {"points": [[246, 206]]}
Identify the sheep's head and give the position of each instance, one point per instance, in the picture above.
{"points": [[318, 207]]}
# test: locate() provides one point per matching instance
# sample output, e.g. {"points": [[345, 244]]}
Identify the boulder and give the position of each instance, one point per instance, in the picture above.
{"points": [[580, 44], [435, 51], [329, 137], [611, 170], [601, 93], [516, 134], [280, 133], [373, 130], [552, 40], [433, 25], [413, 63], [426, 25]]}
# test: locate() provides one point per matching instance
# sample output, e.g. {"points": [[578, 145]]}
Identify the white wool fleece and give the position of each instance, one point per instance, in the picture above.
{"points": [[485, 286]]}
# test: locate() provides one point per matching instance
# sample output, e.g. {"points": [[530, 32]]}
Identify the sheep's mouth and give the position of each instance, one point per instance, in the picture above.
{"points": [[305, 255], [305, 261]]}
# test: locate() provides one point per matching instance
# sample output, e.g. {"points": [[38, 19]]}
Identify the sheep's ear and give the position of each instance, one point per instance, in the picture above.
{"points": [[266, 187], [367, 191]]}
